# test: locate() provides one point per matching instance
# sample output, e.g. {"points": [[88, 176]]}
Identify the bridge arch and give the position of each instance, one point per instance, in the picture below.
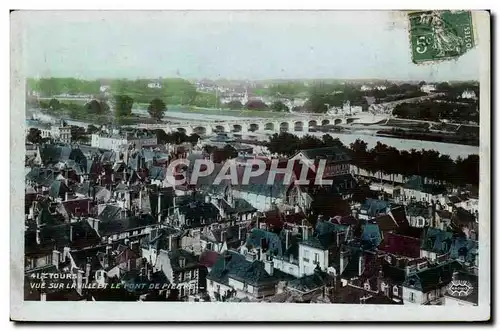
{"points": [[253, 127], [284, 127], [237, 128], [269, 126], [325, 122], [338, 121], [200, 130], [313, 123], [298, 126], [350, 120], [187, 130], [220, 128]]}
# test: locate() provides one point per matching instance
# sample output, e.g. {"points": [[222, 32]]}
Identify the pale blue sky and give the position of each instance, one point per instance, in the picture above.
{"points": [[233, 45]]}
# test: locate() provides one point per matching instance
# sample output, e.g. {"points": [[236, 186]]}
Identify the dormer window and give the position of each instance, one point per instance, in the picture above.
{"points": [[395, 291]]}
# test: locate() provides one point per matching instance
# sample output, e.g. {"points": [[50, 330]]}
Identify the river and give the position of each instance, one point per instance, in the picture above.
{"points": [[367, 135]]}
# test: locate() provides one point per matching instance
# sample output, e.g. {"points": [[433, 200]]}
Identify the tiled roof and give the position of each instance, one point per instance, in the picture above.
{"points": [[311, 282], [190, 260], [436, 240], [401, 245], [58, 189], [464, 248], [432, 278], [386, 223], [117, 226], [371, 234], [335, 154], [209, 258], [234, 265]]}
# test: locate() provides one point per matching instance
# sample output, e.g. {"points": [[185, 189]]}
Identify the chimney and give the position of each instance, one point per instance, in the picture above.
{"points": [[305, 232], [361, 264], [227, 259], [87, 273], [269, 267], [79, 281], [159, 206], [56, 258], [182, 262], [223, 236], [170, 242], [380, 279], [140, 199], [150, 274], [240, 233], [344, 259]]}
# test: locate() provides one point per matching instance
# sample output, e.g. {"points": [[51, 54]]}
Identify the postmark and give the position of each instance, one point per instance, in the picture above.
{"points": [[440, 35]]}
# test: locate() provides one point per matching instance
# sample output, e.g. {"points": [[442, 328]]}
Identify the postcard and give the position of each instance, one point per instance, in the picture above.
{"points": [[250, 166]]}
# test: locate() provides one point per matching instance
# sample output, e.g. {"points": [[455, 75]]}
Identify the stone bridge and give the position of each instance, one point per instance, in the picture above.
{"points": [[246, 126]]}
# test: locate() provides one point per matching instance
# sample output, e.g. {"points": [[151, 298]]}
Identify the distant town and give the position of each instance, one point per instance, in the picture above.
{"points": [[394, 219]]}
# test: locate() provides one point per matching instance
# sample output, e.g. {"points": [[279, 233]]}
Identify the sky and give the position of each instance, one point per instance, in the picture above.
{"points": [[232, 45]]}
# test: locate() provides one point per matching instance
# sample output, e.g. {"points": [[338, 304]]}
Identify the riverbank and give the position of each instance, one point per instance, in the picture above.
{"points": [[451, 138]]}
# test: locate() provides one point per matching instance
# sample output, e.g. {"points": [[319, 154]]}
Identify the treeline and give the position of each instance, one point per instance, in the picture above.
{"points": [[389, 160], [436, 111], [49, 87], [173, 91], [278, 106]]}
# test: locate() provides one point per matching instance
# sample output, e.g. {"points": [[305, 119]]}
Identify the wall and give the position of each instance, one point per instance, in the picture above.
{"points": [[418, 297], [287, 267], [260, 202], [213, 287], [306, 259], [430, 255]]}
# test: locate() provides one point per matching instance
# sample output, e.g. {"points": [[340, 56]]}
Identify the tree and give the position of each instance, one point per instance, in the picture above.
{"points": [[156, 109], [279, 106], [256, 105], [235, 104], [283, 143], [92, 129], [123, 105], [161, 136], [79, 134], [34, 136], [193, 138], [96, 107], [54, 104]]}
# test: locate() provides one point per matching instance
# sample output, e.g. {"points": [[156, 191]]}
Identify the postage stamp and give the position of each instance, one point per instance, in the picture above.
{"points": [[440, 35], [253, 172]]}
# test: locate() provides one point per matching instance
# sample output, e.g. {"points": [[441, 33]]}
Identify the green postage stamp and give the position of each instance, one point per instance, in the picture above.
{"points": [[440, 35]]}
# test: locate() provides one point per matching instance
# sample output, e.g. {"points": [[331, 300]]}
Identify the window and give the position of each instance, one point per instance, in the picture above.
{"points": [[306, 255], [306, 271], [316, 258], [211, 283], [412, 297], [395, 291]]}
